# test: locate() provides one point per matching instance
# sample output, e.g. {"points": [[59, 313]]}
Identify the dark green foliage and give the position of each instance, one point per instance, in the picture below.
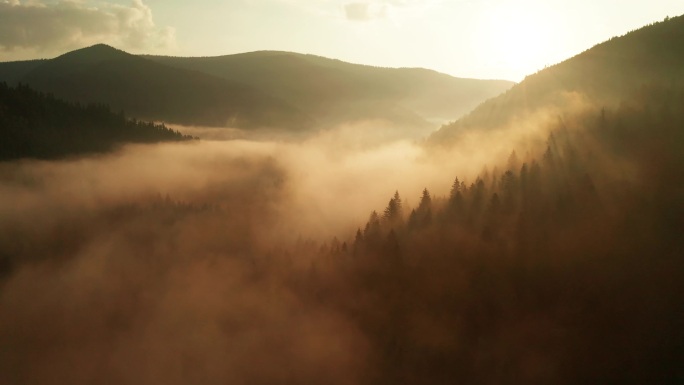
{"points": [[35, 125]]}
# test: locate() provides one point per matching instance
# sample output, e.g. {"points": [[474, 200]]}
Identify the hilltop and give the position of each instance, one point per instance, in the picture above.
{"points": [[335, 91], [148, 90], [606, 74]]}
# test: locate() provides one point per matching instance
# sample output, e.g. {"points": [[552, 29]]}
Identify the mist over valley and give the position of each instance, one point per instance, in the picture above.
{"points": [[275, 217]]}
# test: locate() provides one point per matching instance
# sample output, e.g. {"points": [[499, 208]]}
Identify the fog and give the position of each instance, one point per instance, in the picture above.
{"points": [[536, 240], [198, 262], [154, 264]]}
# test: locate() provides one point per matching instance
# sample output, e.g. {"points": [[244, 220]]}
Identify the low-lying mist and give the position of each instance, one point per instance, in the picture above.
{"points": [[254, 261], [156, 263]]}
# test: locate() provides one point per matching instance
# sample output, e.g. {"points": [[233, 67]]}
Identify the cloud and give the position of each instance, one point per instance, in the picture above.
{"points": [[380, 9], [361, 12], [42, 26], [130, 287]]}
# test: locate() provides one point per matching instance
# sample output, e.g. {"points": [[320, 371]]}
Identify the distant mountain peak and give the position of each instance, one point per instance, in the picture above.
{"points": [[95, 53]]}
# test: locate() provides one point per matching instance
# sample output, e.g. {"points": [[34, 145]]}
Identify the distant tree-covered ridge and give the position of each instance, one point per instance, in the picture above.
{"points": [[152, 91], [38, 125], [605, 74], [258, 90], [335, 91]]}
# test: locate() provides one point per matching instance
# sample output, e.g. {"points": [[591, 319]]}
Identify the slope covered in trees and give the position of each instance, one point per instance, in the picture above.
{"points": [[148, 90], [36, 125], [336, 91], [603, 75], [253, 90], [564, 267], [561, 266]]}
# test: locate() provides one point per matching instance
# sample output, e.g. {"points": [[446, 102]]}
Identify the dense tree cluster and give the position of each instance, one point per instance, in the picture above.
{"points": [[564, 267], [37, 125]]}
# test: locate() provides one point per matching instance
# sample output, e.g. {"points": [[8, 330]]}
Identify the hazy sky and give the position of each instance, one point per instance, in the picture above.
{"points": [[505, 39]]}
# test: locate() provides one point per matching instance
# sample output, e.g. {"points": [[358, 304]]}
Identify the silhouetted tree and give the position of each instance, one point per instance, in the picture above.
{"points": [[393, 211]]}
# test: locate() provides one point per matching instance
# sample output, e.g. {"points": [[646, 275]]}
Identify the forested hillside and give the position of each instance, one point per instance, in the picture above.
{"points": [[604, 75], [336, 91], [148, 90], [37, 125], [283, 90], [563, 266], [279, 262]]}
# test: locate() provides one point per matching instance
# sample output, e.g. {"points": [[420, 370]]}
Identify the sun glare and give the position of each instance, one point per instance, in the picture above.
{"points": [[514, 39]]}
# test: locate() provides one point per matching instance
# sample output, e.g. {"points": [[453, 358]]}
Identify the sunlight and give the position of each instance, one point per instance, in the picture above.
{"points": [[514, 38], [254, 208]]}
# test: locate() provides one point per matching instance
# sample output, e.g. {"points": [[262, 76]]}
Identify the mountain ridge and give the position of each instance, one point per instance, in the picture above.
{"points": [[260, 89], [606, 73], [148, 90], [330, 84]]}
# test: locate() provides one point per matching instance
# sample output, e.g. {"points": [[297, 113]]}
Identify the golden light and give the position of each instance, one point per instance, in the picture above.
{"points": [[515, 38]]}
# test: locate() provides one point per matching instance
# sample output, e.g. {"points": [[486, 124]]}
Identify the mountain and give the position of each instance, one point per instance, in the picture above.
{"points": [[264, 89], [36, 125], [13, 72], [149, 90], [609, 72], [566, 259], [336, 91]]}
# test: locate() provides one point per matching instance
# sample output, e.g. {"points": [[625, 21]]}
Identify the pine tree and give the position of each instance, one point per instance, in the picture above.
{"points": [[393, 212]]}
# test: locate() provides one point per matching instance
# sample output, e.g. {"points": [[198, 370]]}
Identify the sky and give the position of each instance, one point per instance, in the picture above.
{"points": [[487, 39]]}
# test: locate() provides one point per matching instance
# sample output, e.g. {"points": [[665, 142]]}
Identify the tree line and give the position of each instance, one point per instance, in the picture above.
{"points": [[38, 125]]}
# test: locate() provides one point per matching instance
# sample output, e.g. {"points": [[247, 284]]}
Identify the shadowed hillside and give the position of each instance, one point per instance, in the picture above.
{"points": [[35, 125], [12, 72], [337, 91], [603, 75], [254, 90], [148, 90]]}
